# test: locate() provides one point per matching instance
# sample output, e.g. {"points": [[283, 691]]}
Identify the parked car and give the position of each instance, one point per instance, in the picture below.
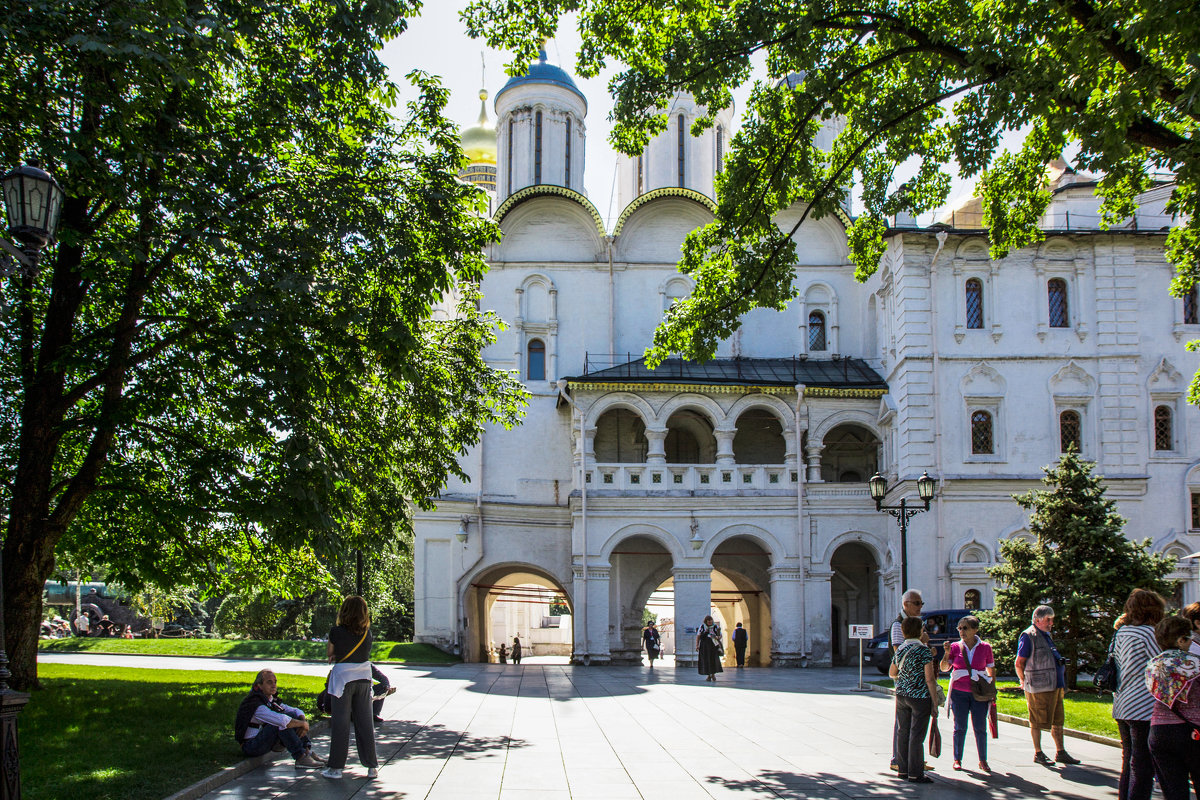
{"points": [[941, 624]]}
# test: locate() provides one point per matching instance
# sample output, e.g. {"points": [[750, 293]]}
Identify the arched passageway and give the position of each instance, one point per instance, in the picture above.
{"points": [[854, 596], [639, 565], [517, 600], [849, 454], [690, 439], [741, 592], [620, 438]]}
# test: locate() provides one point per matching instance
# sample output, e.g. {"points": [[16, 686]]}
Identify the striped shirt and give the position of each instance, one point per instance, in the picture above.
{"points": [[1133, 646]]}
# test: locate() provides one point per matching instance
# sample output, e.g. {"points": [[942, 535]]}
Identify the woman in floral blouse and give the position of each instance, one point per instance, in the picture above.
{"points": [[916, 685]]}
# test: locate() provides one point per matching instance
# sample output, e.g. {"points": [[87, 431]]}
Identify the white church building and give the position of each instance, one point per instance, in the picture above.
{"points": [[741, 483]]}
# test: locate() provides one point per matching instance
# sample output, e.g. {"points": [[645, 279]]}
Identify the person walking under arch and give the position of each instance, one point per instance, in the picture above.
{"points": [[652, 642], [709, 649], [516, 650], [740, 640]]}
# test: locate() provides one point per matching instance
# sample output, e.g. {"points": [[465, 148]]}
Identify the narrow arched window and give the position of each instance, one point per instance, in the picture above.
{"points": [[640, 181], [1070, 431], [974, 303], [982, 441], [971, 599], [1191, 316], [1164, 435], [508, 163], [680, 131], [537, 148], [1056, 290], [536, 362], [816, 331], [720, 147], [567, 183]]}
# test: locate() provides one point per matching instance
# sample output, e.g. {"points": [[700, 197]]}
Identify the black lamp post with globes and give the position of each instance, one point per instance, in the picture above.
{"points": [[33, 203], [902, 513]]}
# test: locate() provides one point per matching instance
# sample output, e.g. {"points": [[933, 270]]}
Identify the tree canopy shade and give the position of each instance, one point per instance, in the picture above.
{"points": [[919, 82], [230, 359]]}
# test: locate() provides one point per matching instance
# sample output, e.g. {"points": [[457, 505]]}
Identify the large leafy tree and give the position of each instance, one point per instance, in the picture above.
{"points": [[229, 359], [928, 83], [1080, 563]]}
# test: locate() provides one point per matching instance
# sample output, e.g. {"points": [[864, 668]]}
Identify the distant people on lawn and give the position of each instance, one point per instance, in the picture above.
{"points": [[709, 649], [349, 686], [1133, 646], [968, 660], [516, 651], [1172, 678], [915, 677], [910, 606], [263, 720], [1191, 613], [740, 639], [1042, 675], [652, 642]]}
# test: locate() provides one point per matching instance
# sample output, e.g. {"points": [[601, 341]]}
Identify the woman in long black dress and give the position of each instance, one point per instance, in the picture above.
{"points": [[650, 639], [710, 649]]}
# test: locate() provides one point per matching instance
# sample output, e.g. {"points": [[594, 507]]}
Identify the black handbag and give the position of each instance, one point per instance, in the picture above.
{"points": [[1106, 678]]}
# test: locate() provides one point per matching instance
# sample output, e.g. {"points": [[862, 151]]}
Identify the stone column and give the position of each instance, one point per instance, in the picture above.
{"points": [[820, 614], [724, 446], [787, 626], [693, 602], [813, 456], [598, 614], [656, 439]]}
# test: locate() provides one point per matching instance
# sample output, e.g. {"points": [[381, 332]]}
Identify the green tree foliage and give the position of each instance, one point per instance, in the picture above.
{"points": [[1080, 564], [919, 82], [230, 358]]}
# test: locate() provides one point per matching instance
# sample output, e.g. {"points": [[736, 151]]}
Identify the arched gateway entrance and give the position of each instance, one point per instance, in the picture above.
{"points": [[517, 600], [739, 591], [854, 596]]}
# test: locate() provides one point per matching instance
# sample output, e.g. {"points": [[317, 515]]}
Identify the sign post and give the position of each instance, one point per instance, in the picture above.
{"points": [[861, 632]]}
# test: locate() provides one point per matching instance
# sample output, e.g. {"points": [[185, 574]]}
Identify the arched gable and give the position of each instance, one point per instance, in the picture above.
{"points": [[493, 572], [684, 210], [819, 242], [541, 226]]}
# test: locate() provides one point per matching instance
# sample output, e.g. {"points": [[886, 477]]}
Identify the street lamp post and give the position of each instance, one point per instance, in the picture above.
{"points": [[33, 202], [902, 513]]}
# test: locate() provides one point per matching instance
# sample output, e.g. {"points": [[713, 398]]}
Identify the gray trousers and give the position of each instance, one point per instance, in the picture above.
{"points": [[353, 706]]}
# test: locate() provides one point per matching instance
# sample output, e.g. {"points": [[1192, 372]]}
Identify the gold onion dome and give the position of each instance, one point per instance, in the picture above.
{"points": [[479, 142]]}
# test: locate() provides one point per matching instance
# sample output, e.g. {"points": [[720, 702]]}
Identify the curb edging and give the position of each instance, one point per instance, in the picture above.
{"points": [[224, 776], [1024, 723]]}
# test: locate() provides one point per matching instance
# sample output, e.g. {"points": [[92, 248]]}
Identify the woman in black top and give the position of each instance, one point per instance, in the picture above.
{"points": [[349, 650]]}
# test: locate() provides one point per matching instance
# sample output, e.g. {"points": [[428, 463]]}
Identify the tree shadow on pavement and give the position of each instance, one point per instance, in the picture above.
{"points": [[824, 785]]}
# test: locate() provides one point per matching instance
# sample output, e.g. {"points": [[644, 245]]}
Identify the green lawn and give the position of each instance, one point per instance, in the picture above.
{"points": [[106, 733], [1085, 711], [395, 652]]}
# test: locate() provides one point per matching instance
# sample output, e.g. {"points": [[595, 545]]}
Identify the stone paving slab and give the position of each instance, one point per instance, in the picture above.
{"points": [[584, 733]]}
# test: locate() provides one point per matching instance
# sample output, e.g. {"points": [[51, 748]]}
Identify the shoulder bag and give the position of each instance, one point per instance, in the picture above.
{"points": [[982, 689], [1107, 678], [323, 701]]}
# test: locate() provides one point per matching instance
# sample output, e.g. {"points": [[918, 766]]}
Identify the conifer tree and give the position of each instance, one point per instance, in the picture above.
{"points": [[1080, 564]]}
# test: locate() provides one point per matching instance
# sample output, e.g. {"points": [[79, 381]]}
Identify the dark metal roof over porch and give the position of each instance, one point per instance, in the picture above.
{"points": [[843, 375]]}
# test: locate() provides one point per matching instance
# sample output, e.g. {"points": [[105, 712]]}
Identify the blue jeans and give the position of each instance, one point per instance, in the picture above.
{"points": [[961, 704], [268, 735]]}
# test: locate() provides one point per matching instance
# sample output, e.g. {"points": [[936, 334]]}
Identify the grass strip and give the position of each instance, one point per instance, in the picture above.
{"points": [[1085, 711], [121, 733], [392, 652]]}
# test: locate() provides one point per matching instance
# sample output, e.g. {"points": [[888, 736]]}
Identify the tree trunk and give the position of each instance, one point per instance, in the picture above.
{"points": [[28, 564]]}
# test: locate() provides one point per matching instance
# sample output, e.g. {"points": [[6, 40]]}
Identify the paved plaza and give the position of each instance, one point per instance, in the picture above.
{"points": [[549, 732]]}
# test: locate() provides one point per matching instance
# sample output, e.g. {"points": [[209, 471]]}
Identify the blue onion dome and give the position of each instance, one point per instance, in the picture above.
{"points": [[543, 72]]}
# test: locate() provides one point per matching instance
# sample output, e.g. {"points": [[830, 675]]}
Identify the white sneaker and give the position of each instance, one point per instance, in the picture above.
{"points": [[372, 773], [332, 774]]}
